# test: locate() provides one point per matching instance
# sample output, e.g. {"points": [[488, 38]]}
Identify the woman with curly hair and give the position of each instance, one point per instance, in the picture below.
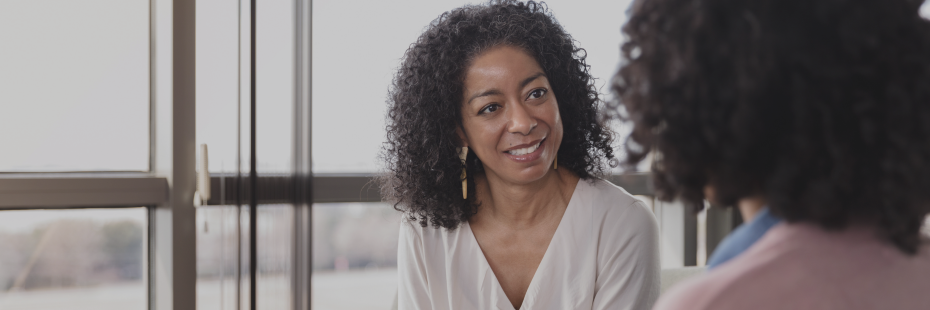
{"points": [[493, 152], [817, 112]]}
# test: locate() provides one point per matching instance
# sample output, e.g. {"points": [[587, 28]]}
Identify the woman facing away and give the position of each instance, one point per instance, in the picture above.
{"points": [[815, 111], [494, 148]]}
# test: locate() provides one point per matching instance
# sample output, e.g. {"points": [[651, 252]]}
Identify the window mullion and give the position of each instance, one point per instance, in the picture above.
{"points": [[44, 193]]}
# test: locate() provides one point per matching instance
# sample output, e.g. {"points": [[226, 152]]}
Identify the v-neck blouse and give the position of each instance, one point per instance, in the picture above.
{"points": [[603, 255]]}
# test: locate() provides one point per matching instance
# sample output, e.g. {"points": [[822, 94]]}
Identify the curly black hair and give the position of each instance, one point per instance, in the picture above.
{"points": [[423, 168], [822, 107]]}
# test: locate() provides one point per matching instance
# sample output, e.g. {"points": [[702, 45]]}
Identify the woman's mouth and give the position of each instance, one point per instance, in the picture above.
{"points": [[528, 153], [526, 150]]}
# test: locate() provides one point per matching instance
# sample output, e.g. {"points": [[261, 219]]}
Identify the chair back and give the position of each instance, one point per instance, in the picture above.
{"points": [[671, 276]]}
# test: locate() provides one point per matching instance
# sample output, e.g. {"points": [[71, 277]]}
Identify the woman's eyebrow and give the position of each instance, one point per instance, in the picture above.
{"points": [[530, 79], [495, 91], [489, 92]]}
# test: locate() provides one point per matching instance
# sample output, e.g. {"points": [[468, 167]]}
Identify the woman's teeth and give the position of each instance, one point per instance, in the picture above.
{"points": [[525, 150]]}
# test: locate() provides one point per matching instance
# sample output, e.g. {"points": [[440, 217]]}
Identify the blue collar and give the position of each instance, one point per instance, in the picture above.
{"points": [[742, 238]]}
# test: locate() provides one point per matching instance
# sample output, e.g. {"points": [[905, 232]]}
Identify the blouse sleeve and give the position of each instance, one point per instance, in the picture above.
{"points": [[628, 260], [412, 288]]}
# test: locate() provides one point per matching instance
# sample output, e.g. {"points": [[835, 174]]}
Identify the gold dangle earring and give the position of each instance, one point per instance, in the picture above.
{"points": [[463, 153], [555, 163]]}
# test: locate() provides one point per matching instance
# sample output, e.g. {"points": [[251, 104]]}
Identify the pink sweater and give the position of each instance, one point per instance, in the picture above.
{"points": [[801, 266]]}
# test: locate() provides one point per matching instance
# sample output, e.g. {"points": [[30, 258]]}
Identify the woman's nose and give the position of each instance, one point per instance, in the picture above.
{"points": [[520, 120]]}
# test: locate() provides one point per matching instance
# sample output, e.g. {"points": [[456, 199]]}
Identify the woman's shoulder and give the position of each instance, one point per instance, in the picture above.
{"points": [[416, 228], [425, 233], [618, 217], [808, 267], [612, 201]]}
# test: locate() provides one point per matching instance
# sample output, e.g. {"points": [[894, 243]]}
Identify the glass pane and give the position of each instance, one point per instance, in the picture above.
{"points": [[223, 89], [74, 85], [275, 74], [354, 252], [275, 249], [73, 259], [218, 73], [350, 82], [219, 240]]}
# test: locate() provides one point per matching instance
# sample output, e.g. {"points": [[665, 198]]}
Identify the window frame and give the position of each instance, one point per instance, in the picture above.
{"points": [[167, 188]]}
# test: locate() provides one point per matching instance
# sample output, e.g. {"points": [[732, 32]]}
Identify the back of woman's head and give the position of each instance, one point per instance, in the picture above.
{"points": [[423, 167], [821, 107]]}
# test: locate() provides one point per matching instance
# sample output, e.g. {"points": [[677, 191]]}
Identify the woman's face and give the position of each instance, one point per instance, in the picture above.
{"points": [[510, 115]]}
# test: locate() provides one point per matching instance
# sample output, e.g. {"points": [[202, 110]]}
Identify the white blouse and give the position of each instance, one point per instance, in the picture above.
{"points": [[603, 255]]}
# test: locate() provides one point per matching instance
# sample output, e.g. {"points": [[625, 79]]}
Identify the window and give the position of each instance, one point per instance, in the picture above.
{"points": [[74, 85], [220, 241], [122, 127], [224, 116], [220, 275], [350, 82], [354, 250], [63, 259], [88, 107]]}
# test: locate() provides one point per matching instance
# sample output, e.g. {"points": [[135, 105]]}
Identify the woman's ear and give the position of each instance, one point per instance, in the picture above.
{"points": [[463, 140]]}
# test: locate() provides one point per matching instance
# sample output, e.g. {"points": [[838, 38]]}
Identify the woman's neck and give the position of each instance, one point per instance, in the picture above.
{"points": [[750, 206], [524, 205]]}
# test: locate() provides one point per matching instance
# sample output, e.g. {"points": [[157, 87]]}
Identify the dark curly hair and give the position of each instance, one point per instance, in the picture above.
{"points": [[423, 168], [822, 107]]}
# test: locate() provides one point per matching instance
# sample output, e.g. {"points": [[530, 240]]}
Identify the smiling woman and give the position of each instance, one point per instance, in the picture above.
{"points": [[494, 151], [507, 92], [425, 106]]}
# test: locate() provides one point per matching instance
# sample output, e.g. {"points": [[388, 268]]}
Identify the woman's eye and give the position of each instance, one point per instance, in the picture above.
{"points": [[490, 108], [537, 93]]}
